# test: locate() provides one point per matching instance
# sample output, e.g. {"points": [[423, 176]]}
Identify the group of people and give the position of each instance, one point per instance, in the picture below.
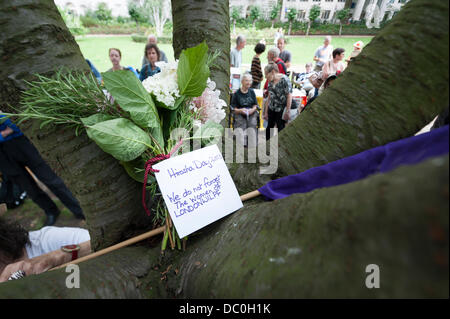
{"points": [[152, 55], [279, 108]]}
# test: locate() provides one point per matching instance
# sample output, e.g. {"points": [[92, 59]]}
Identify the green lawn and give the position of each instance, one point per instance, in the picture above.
{"points": [[302, 49], [96, 50]]}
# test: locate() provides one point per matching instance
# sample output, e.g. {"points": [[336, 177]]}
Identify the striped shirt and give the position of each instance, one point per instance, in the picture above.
{"points": [[256, 70]]}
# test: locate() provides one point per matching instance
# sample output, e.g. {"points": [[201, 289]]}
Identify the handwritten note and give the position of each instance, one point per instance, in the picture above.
{"points": [[197, 189]]}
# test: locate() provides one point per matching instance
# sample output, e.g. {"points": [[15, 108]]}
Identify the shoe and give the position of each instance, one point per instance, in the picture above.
{"points": [[51, 219]]}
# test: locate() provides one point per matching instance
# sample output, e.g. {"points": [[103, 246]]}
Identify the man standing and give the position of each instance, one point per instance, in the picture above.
{"points": [[323, 54], [17, 153], [152, 40], [285, 55], [236, 53]]}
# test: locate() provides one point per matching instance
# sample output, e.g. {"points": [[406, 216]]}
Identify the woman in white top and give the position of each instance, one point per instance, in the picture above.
{"points": [[38, 251], [335, 65]]}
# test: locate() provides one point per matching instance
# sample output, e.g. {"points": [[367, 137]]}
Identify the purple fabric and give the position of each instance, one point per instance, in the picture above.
{"points": [[380, 159]]}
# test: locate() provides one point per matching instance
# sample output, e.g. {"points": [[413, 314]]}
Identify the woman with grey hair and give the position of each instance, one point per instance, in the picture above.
{"points": [[279, 100], [244, 106]]}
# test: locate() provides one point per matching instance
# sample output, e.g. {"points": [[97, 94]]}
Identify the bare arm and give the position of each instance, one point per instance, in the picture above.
{"points": [[44, 262], [325, 71]]}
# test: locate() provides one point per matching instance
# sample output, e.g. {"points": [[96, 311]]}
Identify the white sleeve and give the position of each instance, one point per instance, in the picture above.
{"points": [[52, 238]]}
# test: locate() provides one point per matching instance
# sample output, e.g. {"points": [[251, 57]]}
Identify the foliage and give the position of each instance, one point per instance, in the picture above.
{"points": [[103, 13], [314, 13], [292, 14], [255, 13], [235, 13], [343, 15], [143, 39], [274, 12], [135, 12]]}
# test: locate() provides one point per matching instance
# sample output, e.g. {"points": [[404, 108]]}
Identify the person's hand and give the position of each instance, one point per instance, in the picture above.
{"points": [[287, 115], [7, 131], [266, 116], [29, 266]]}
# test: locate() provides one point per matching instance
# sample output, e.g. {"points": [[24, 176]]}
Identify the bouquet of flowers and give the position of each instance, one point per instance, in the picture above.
{"points": [[133, 121]]}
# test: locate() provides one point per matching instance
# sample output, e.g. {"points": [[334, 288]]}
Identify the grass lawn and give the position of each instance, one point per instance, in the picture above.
{"points": [[301, 48], [96, 50], [31, 217]]}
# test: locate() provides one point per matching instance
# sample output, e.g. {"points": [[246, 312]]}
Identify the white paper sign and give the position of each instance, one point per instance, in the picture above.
{"points": [[197, 189]]}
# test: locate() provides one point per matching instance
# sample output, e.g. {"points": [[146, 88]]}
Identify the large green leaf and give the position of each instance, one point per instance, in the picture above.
{"points": [[96, 118], [193, 71], [121, 138], [128, 91]]}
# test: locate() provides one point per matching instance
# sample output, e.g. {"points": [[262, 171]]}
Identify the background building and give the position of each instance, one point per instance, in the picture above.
{"points": [[79, 7], [359, 9]]}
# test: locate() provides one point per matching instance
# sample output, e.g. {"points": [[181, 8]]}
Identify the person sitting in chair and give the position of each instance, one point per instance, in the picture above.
{"points": [[245, 106]]}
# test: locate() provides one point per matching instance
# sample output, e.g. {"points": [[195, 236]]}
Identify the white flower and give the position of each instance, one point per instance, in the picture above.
{"points": [[210, 105], [164, 85]]}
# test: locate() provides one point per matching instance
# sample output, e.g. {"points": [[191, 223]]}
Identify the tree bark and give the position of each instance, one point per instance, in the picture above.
{"points": [[193, 23], [109, 198], [313, 245]]}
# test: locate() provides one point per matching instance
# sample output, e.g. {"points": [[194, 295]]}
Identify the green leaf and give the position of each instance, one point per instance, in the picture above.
{"points": [[128, 91], [96, 118], [157, 134], [208, 131], [193, 71], [121, 138], [135, 169]]}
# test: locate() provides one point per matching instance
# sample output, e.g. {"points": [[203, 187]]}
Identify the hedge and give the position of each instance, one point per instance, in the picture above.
{"points": [[143, 38]]}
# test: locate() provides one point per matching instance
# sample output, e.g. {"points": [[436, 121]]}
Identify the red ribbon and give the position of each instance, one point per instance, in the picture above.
{"points": [[148, 168]]}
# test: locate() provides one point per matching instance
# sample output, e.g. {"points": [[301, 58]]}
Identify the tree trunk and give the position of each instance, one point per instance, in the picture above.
{"points": [[340, 29], [193, 23], [273, 22], [309, 27], [290, 26], [314, 245], [109, 198], [317, 244]]}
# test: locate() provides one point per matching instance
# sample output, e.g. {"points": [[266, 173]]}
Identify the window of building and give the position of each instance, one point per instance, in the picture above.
{"points": [[301, 14], [326, 14]]}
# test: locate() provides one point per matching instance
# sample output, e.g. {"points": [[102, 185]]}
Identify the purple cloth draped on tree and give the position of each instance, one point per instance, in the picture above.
{"points": [[380, 159]]}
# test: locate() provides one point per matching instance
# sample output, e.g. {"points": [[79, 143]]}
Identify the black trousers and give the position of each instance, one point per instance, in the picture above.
{"points": [[20, 153], [274, 118]]}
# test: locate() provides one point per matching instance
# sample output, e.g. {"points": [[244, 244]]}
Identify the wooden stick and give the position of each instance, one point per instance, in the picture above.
{"points": [[146, 235], [117, 246], [250, 195]]}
